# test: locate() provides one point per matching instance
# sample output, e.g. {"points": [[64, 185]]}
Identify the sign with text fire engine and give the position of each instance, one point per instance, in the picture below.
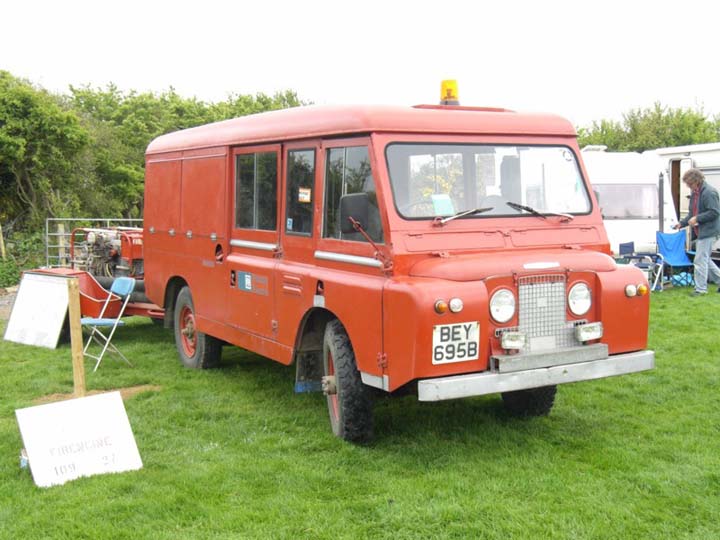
{"points": [[78, 437]]}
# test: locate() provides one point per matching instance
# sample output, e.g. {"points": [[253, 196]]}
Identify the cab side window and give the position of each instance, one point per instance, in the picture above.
{"points": [[348, 171], [300, 178], [256, 191]]}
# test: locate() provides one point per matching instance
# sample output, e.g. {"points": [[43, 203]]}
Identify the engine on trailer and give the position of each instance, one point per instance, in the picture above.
{"points": [[108, 252]]}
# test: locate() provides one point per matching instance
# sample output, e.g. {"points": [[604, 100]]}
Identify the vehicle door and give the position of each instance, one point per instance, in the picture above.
{"points": [[254, 239], [296, 276]]}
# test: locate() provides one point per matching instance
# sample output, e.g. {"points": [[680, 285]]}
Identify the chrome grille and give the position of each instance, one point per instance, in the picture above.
{"points": [[542, 313]]}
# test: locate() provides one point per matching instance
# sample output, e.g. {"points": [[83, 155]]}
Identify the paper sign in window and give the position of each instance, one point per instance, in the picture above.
{"points": [[442, 204], [305, 195]]}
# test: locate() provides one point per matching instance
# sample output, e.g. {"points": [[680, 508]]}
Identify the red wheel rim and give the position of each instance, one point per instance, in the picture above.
{"points": [[188, 338], [332, 398]]}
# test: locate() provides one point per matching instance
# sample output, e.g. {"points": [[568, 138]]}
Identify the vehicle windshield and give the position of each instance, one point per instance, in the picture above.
{"points": [[431, 180]]}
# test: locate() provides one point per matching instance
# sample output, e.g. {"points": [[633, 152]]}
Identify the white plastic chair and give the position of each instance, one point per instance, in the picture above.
{"points": [[122, 287]]}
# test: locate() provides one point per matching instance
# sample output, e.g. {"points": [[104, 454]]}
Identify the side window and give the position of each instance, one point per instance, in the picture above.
{"points": [[256, 191], [348, 171], [300, 178]]}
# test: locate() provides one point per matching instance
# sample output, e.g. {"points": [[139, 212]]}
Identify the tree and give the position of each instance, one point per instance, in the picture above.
{"points": [[39, 141], [656, 127], [122, 124]]}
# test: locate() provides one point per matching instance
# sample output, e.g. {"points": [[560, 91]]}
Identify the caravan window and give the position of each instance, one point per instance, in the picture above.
{"points": [[628, 201]]}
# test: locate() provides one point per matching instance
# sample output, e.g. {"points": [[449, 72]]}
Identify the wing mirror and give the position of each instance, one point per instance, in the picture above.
{"points": [[356, 206]]}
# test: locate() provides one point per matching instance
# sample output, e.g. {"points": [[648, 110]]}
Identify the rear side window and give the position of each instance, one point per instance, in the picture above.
{"points": [[256, 191], [348, 171], [300, 177]]}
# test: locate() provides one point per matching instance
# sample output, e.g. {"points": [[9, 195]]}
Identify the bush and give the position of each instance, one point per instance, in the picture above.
{"points": [[9, 273], [24, 251]]}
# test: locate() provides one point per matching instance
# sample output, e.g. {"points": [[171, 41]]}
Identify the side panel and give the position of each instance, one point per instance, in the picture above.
{"points": [[203, 236], [161, 215], [410, 317], [625, 320], [353, 297]]}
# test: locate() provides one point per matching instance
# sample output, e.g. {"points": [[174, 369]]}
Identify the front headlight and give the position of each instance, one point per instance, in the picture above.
{"points": [[502, 305], [579, 299]]}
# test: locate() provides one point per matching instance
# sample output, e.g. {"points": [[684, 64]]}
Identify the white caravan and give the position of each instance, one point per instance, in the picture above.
{"points": [[678, 159], [634, 195]]}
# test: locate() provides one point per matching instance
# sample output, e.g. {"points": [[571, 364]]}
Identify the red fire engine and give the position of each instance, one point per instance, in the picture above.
{"points": [[457, 251]]}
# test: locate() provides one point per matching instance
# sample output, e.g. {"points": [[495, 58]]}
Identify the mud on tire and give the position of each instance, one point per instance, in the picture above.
{"points": [[350, 406], [196, 349]]}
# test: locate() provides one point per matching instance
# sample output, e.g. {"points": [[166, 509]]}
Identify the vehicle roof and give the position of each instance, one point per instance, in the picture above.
{"points": [[690, 148], [319, 121]]}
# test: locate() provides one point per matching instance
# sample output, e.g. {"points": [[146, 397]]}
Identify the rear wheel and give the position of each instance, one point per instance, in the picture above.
{"points": [[530, 402], [196, 350], [349, 400]]}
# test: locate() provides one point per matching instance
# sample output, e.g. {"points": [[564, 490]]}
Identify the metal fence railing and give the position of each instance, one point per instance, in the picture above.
{"points": [[59, 230]]}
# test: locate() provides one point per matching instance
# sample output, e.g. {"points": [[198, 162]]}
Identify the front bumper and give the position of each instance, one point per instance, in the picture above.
{"points": [[478, 384]]}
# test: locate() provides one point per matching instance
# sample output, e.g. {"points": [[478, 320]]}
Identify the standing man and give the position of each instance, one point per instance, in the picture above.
{"points": [[704, 219]]}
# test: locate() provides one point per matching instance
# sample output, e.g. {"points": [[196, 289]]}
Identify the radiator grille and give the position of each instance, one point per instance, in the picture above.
{"points": [[542, 314]]}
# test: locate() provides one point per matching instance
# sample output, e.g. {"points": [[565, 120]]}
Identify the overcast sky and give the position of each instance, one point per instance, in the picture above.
{"points": [[583, 60]]}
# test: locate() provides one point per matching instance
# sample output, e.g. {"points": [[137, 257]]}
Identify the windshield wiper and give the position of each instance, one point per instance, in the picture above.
{"points": [[530, 209], [439, 222]]}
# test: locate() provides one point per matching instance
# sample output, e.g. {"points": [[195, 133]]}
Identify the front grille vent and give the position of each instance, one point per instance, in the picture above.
{"points": [[542, 315]]}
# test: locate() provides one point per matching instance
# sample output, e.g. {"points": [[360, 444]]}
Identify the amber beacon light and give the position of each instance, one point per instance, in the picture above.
{"points": [[449, 93]]}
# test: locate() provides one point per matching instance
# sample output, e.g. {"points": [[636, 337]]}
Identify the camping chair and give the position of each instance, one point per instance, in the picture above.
{"points": [[122, 287], [650, 263], [677, 267]]}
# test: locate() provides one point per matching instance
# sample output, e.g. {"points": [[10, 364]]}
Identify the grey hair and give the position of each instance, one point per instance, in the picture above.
{"points": [[693, 176]]}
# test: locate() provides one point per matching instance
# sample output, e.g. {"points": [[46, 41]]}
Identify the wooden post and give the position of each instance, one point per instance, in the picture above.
{"points": [[76, 339], [2, 245], [61, 244]]}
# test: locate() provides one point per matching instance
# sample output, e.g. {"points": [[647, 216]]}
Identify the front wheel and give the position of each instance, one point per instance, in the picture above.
{"points": [[530, 402], [196, 349], [349, 400]]}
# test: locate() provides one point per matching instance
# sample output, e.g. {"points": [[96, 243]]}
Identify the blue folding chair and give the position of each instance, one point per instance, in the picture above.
{"points": [[650, 263], [677, 267], [122, 287]]}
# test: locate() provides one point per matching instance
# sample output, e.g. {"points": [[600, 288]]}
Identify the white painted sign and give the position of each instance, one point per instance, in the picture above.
{"points": [[39, 310], [78, 437]]}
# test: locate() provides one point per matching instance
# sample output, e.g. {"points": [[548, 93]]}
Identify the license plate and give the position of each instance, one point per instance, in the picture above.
{"points": [[456, 342]]}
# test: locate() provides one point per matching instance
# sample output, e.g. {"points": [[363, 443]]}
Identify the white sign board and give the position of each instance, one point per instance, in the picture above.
{"points": [[78, 437], [39, 310]]}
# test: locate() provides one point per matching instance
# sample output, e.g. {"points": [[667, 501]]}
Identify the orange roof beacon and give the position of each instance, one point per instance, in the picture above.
{"points": [[457, 251]]}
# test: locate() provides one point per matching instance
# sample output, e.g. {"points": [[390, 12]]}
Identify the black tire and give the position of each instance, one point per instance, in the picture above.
{"points": [[349, 400], [196, 350], [531, 402]]}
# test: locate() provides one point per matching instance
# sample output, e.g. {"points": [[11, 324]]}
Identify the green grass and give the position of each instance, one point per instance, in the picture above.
{"points": [[233, 453]]}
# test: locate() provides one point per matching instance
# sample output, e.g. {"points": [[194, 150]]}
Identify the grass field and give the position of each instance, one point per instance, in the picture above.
{"points": [[233, 453]]}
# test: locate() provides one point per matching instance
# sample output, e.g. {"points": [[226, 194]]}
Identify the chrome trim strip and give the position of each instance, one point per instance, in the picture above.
{"points": [[350, 259], [478, 384], [262, 246]]}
